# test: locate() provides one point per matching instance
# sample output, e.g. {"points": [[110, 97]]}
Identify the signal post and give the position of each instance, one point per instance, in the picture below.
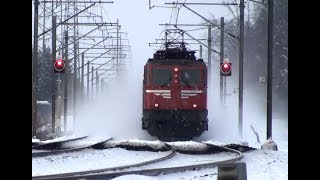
{"points": [[58, 67], [225, 70]]}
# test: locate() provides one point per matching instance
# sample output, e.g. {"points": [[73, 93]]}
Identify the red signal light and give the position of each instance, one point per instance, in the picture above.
{"points": [[225, 69], [59, 66]]}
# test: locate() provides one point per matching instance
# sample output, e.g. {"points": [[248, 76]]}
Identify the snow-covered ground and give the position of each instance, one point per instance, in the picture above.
{"points": [[185, 160], [261, 165], [90, 159]]}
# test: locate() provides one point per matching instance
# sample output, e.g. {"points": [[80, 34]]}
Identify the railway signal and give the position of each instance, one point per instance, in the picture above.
{"points": [[225, 68], [59, 65]]}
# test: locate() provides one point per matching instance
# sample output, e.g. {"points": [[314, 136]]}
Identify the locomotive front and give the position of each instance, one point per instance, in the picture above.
{"points": [[175, 95]]}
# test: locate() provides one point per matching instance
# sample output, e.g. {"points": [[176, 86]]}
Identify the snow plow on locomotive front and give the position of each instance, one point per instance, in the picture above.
{"points": [[175, 95]]}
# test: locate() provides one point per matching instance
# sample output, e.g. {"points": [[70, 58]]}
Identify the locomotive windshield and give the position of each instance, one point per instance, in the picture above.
{"points": [[161, 76], [190, 77]]}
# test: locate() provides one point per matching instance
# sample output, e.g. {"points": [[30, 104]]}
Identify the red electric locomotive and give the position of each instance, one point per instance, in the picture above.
{"points": [[175, 94]]}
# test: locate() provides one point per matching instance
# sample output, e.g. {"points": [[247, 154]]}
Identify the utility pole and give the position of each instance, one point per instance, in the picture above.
{"points": [[82, 76], [120, 62], [270, 74], [92, 70], [34, 69], [200, 51], [44, 26], [224, 90], [53, 93], [102, 85], [97, 83], [241, 67], [222, 78], [209, 56], [66, 76], [74, 81], [88, 79], [117, 48]]}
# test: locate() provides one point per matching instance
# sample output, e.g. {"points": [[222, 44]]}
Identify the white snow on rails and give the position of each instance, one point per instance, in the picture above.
{"points": [[56, 142], [67, 146], [94, 159], [137, 145]]}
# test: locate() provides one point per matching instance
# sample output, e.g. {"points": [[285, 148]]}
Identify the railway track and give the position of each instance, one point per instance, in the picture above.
{"points": [[65, 146], [54, 144], [169, 153], [153, 167]]}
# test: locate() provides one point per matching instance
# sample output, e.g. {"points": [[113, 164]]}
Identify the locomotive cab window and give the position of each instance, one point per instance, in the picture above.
{"points": [[190, 77], [204, 77], [146, 76], [161, 76]]}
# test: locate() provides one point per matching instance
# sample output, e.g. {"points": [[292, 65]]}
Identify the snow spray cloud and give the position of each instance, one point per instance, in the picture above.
{"points": [[223, 120], [255, 118], [116, 112]]}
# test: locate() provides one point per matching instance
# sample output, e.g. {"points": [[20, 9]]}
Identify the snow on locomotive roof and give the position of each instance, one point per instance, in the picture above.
{"points": [[181, 62], [175, 56], [174, 53]]}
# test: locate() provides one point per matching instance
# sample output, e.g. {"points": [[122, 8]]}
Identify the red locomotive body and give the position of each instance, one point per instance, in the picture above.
{"points": [[175, 95]]}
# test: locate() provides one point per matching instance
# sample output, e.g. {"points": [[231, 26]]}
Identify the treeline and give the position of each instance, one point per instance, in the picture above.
{"points": [[44, 75], [256, 46]]}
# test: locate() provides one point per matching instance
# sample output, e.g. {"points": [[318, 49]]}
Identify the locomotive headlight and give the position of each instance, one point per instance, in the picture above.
{"points": [[194, 105], [156, 105]]}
